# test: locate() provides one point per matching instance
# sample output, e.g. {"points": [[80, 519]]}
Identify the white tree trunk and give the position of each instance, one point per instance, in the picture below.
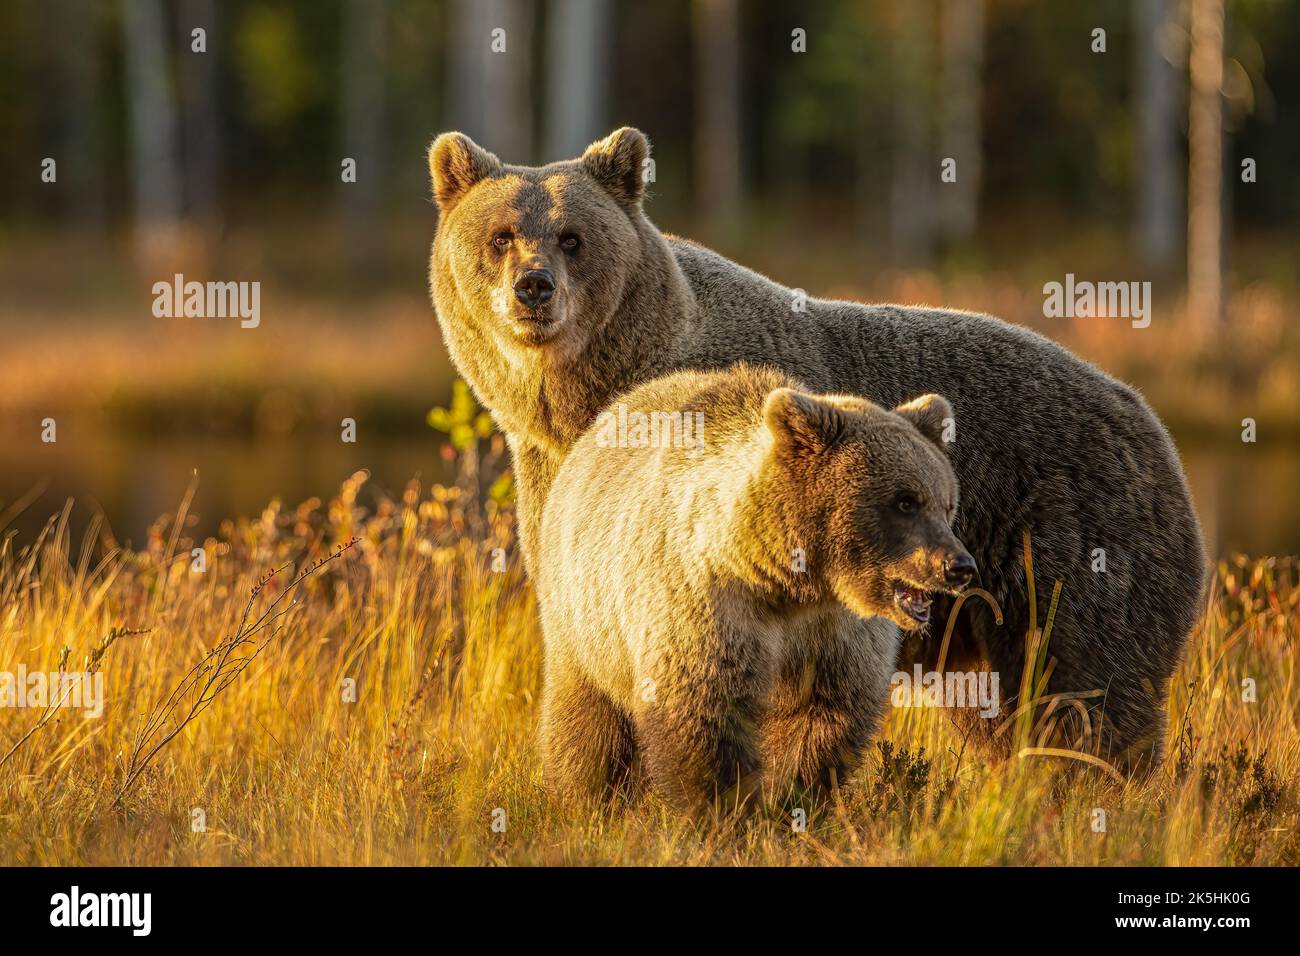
{"points": [[577, 44], [1205, 166], [152, 110], [1158, 194], [491, 92]]}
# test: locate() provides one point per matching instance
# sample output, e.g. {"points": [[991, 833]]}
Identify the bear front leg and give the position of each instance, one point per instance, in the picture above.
{"points": [[587, 742], [698, 728], [697, 758], [827, 705]]}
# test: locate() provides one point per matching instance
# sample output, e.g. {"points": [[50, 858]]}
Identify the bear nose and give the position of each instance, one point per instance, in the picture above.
{"points": [[959, 570], [534, 287]]}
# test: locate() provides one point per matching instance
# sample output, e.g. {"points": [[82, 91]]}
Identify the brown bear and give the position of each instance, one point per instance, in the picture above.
{"points": [[744, 528], [555, 293]]}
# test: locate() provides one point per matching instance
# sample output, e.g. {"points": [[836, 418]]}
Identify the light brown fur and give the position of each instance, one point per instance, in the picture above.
{"points": [[689, 590]]}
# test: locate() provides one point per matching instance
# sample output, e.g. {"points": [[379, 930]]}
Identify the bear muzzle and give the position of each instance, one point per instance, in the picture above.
{"points": [[955, 573], [535, 287], [959, 571]]}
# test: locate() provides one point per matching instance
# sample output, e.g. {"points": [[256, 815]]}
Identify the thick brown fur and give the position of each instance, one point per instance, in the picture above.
{"points": [[687, 603], [1048, 444]]}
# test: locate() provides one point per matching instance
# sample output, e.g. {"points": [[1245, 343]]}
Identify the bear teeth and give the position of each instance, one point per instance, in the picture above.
{"points": [[914, 602]]}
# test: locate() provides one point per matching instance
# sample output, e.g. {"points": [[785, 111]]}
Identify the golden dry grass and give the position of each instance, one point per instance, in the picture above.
{"points": [[446, 657]]}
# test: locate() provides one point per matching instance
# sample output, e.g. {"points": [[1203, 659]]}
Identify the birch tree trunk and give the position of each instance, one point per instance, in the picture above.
{"points": [[491, 90], [577, 45], [1158, 197], [1205, 167], [156, 192]]}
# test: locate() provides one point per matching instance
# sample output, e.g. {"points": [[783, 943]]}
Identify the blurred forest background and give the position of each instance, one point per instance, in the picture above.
{"points": [[804, 140]]}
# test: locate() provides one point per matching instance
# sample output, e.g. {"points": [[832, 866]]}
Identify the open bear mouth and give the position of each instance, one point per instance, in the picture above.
{"points": [[913, 601]]}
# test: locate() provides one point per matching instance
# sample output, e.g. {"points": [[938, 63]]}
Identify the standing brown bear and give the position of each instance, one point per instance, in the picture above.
{"points": [[555, 294], [742, 523]]}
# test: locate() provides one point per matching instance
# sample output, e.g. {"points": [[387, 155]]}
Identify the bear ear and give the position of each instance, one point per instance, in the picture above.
{"points": [[456, 163], [800, 420], [617, 162], [931, 415]]}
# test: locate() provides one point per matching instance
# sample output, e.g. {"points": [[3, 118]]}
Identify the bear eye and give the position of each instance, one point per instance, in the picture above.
{"points": [[569, 242], [906, 503], [502, 240]]}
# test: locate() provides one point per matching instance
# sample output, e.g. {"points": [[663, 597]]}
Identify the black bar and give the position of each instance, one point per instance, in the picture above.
{"points": [[338, 906]]}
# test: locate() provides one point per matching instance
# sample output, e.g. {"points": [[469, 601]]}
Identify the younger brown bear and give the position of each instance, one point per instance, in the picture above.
{"points": [[556, 293], [703, 544]]}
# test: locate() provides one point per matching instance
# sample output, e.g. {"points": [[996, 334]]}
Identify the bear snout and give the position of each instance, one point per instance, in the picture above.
{"points": [[959, 570], [535, 287]]}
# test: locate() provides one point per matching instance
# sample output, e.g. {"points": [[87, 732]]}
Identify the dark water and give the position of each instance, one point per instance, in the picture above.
{"points": [[1248, 496], [133, 482]]}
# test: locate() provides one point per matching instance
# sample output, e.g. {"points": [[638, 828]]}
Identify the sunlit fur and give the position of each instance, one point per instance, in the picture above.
{"points": [[686, 592], [1048, 444]]}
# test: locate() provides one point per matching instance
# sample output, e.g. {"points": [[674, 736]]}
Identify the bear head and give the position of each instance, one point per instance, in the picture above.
{"points": [[872, 495], [538, 256]]}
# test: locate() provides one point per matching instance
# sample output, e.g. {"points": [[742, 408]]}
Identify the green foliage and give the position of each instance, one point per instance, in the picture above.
{"points": [[503, 489], [463, 423], [277, 73]]}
